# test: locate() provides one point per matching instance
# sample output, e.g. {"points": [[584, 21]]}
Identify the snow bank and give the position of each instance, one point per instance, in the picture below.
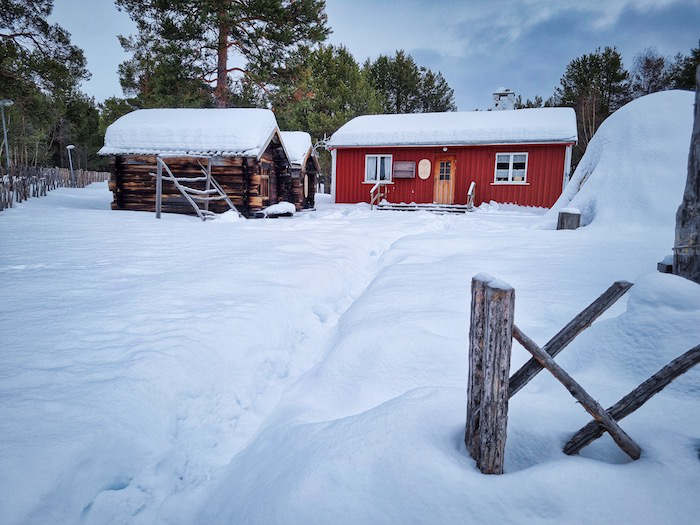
{"points": [[298, 145], [634, 169], [459, 127], [187, 131], [280, 209]]}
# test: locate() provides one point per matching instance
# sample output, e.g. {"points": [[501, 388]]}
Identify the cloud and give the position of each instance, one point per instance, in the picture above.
{"points": [[524, 44]]}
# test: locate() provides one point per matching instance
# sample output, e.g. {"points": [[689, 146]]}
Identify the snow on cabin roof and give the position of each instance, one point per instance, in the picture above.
{"points": [[298, 144], [539, 125], [229, 132]]}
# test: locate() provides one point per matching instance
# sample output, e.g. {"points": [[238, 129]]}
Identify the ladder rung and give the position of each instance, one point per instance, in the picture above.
{"points": [[180, 179], [190, 179], [198, 198], [199, 192]]}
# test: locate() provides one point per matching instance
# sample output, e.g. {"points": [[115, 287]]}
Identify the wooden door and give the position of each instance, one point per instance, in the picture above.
{"points": [[444, 174]]}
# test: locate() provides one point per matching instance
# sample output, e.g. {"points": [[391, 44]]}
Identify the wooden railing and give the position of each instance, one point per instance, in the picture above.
{"points": [[24, 182], [377, 193], [491, 333]]}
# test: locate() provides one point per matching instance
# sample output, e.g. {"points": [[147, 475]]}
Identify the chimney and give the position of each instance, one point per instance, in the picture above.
{"points": [[503, 98]]}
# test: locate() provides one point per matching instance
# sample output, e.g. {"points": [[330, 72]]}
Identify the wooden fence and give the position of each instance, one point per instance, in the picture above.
{"points": [[24, 182], [491, 333]]}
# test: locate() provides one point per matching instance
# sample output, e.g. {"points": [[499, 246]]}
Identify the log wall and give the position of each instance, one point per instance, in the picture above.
{"points": [[134, 188]]}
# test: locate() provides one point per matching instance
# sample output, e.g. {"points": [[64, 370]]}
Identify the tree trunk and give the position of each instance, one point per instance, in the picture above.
{"points": [[221, 91], [686, 259]]}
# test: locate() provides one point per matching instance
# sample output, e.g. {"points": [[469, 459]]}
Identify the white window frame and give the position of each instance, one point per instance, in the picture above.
{"points": [[510, 180], [391, 168]]}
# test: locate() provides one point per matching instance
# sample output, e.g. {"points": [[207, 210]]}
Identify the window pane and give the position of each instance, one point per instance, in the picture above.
{"points": [[518, 175], [503, 158], [384, 168], [519, 162], [502, 175], [502, 166], [371, 168]]}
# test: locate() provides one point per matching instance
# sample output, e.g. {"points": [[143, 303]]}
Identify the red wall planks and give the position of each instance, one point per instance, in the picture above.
{"points": [[545, 172]]}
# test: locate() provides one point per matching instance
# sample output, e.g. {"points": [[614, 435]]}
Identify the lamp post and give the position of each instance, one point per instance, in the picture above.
{"points": [[69, 147], [5, 103]]}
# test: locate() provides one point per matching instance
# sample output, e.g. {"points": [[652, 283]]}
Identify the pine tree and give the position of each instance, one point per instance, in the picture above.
{"points": [[537, 102], [40, 70], [595, 84], [34, 52], [407, 88], [435, 93], [330, 89], [649, 74], [264, 33], [682, 70]]}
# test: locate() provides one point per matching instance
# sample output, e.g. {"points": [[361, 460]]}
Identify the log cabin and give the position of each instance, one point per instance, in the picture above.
{"points": [[516, 156], [241, 148], [304, 167]]}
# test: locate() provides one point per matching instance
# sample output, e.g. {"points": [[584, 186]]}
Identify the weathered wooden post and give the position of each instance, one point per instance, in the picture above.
{"points": [[159, 186], [568, 219], [490, 342], [686, 250]]}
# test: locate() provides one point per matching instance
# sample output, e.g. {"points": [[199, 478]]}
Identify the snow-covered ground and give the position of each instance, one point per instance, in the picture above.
{"points": [[313, 369]]}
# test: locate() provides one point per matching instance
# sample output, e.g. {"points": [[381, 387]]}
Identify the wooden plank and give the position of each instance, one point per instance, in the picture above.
{"points": [[591, 405], [489, 354], [567, 334], [635, 399]]}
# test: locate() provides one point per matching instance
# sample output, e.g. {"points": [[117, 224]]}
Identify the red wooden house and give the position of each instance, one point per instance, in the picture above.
{"points": [[520, 156]]}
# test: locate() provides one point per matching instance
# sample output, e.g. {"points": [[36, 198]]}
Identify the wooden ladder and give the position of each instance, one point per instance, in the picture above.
{"points": [[212, 191]]}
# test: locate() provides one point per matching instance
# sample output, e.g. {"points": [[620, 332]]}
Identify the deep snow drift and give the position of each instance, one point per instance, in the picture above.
{"points": [[634, 169], [313, 369]]}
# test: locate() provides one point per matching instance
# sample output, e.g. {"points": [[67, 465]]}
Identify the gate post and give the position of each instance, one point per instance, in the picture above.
{"points": [[490, 342]]}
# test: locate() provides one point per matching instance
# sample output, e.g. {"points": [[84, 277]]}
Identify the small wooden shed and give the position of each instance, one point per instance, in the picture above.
{"points": [[304, 167], [240, 148]]}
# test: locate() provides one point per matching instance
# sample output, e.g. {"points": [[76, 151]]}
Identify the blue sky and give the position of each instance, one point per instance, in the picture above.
{"points": [[478, 45]]}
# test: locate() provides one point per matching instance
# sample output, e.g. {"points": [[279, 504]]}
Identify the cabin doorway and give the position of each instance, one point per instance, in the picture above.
{"points": [[444, 188]]}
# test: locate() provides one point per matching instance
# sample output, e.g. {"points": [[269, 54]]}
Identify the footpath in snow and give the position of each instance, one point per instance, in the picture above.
{"points": [[313, 369]]}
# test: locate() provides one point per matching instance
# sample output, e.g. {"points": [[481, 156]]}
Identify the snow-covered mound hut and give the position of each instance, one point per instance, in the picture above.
{"points": [[520, 156], [243, 146], [304, 166], [634, 170]]}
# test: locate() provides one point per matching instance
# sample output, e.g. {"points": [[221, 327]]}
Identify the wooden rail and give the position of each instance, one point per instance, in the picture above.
{"points": [[591, 405], [635, 399], [567, 334]]}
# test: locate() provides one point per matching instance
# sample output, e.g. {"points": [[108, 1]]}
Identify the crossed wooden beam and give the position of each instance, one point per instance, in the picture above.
{"points": [[491, 333]]}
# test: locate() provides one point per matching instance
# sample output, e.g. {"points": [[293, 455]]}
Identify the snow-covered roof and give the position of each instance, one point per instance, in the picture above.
{"points": [[229, 132], [539, 125], [298, 144]]}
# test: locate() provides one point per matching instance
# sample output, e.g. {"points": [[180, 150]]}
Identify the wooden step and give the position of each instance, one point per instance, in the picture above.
{"points": [[433, 208]]}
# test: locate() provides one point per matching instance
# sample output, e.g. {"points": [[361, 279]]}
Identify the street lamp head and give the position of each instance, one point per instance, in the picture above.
{"points": [[70, 146], [6, 102]]}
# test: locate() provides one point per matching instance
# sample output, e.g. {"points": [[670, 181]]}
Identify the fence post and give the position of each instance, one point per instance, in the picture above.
{"points": [[159, 186], [490, 342]]}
